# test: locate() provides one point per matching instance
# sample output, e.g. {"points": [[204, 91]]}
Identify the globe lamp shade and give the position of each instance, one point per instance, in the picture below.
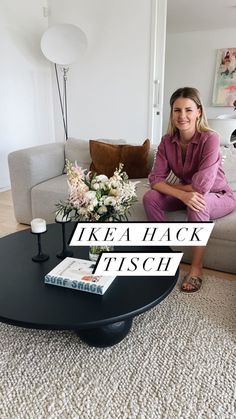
{"points": [[63, 43]]}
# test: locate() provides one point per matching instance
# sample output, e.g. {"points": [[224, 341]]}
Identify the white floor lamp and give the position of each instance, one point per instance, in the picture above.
{"points": [[62, 44]]}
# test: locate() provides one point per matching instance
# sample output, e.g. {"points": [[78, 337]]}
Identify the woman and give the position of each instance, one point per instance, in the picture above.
{"points": [[191, 150]]}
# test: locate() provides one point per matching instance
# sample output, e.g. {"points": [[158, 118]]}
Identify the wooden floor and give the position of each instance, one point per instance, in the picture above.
{"points": [[8, 224]]}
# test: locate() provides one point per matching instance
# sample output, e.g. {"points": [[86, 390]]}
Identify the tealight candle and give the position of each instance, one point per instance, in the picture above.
{"points": [[61, 218], [38, 225]]}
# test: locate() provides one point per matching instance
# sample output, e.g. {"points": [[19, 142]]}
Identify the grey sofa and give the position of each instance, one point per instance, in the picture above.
{"points": [[38, 182]]}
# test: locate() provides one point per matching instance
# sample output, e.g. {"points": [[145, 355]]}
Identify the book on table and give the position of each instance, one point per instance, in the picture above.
{"points": [[78, 274]]}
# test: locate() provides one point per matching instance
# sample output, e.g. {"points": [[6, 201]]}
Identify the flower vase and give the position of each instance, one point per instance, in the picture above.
{"points": [[94, 251]]}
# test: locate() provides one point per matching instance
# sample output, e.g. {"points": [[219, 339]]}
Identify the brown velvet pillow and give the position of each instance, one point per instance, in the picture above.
{"points": [[106, 158]]}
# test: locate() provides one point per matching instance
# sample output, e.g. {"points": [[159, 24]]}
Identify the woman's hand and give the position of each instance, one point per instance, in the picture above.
{"points": [[184, 193], [193, 200]]}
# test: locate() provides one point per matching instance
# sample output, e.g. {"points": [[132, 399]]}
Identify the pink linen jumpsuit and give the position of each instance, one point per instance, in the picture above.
{"points": [[202, 169]]}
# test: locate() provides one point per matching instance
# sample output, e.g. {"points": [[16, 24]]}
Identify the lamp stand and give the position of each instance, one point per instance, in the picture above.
{"points": [[63, 103]]}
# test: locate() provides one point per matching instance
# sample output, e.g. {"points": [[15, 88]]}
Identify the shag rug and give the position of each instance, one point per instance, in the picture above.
{"points": [[178, 361]]}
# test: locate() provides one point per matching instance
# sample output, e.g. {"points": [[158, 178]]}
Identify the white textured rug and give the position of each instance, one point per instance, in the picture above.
{"points": [[179, 361]]}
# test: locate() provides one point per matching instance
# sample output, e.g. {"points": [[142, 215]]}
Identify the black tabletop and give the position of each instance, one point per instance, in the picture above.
{"points": [[25, 300]]}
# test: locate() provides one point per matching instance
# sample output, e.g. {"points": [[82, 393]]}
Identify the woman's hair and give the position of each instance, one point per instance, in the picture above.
{"points": [[193, 94]]}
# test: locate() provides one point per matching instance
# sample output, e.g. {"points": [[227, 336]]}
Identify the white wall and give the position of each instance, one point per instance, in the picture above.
{"points": [[190, 61], [108, 89], [26, 113]]}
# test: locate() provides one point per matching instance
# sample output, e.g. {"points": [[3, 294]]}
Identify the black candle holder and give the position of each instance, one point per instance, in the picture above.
{"points": [[40, 257], [65, 251]]}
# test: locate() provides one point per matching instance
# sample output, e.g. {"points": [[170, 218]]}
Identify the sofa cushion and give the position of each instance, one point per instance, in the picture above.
{"points": [[46, 195], [54, 190], [106, 158], [229, 164], [78, 150], [224, 227], [137, 211]]}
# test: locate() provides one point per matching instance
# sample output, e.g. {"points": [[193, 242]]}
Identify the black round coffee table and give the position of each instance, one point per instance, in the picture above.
{"points": [[26, 301]]}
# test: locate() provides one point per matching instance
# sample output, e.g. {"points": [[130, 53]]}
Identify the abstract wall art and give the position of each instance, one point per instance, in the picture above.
{"points": [[224, 90]]}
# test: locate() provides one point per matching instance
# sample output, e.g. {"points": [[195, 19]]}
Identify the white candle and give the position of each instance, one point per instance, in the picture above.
{"points": [[61, 218], [38, 225]]}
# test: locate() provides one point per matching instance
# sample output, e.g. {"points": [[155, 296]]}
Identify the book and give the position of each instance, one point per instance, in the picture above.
{"points": [[77, 274]]}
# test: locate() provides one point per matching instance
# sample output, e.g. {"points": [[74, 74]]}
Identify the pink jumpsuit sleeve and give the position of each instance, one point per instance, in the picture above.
{"points": [[161, 167], [204, 178]]}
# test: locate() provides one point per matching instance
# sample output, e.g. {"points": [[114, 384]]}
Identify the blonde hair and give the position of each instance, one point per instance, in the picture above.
{"points": [[193, 94]]}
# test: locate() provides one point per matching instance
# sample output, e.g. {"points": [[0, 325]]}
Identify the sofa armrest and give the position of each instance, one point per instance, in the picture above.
{"points": [[29, 167]]}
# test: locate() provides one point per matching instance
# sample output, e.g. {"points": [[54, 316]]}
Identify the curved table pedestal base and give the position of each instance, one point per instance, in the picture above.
{"points": [[108, 335]]}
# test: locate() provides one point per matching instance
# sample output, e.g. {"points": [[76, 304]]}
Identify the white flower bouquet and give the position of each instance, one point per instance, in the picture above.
{"points": [[95, 197]]}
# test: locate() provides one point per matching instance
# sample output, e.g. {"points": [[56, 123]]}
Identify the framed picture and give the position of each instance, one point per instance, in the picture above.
{"points": [[224, 90]]}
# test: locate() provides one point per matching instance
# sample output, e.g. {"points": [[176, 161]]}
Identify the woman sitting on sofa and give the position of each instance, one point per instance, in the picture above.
{"points": [[191, 150]]}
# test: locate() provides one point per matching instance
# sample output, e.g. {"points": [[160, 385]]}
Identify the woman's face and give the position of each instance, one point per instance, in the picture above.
{"points": [[185, 114]]}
